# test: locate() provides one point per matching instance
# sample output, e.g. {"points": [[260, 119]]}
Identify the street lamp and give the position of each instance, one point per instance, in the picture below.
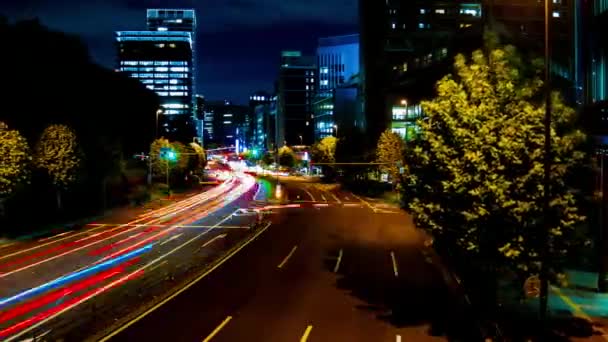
{"points": [[404, 102], [301, 140], [544, 282], [336, 130], [158, 112]]}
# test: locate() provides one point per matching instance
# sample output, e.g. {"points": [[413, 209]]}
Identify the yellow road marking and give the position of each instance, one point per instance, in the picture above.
{"points": [[366, 203], [217, 329], [287, 257], [189, 285], [338, 262], [578, 312], [306, 334], [394, 264]]}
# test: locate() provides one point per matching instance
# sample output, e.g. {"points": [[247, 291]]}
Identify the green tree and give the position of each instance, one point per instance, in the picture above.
{"points": [[199, 160], [58, 154], [287, 157], [475, 175], [390, 152], [159, 165], [324, 151], [14, 164]]}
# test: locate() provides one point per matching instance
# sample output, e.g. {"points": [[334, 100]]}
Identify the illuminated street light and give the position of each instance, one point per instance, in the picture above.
{"points": [[404, 102], [336, 130]]}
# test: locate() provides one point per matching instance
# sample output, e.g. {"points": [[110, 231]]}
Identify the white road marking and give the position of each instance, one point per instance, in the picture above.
{"points": [[366, 203], [336, 198], [321, 205], [218, 264], [310, 195], [293, 250], [323, 198], [214, 239], [54, 236], [171, 238], [394, 264], [398, 338], [338, 262]]}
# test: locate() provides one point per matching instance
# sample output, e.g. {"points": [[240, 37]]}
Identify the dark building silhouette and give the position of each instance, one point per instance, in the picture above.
{"points": [[399, 39], [296, 89]]}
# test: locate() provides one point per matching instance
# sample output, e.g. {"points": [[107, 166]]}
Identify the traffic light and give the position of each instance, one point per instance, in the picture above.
{"points": [[167, 153]]}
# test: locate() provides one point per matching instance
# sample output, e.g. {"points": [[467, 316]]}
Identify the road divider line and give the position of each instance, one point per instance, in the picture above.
{"points": [[321, 204], [335, 197], [171, 239], [323, 198], [578, 311], [304, 337], [366, 203], [157, 266], [395, 270], [310, 195], [189, 285], [398, 338], [217, 329], [338, 261], [213, 239], [293, 250]]}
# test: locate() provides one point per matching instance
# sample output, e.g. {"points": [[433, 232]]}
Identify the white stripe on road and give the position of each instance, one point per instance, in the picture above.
{"points": [[321, 205], [394, 264], [338, 262], [55, 236], [398, 338], [323, 198], [171, 239], [310, 195], [336, 198], [212, 240], [293, 250], [366, 203], [178, 292]]}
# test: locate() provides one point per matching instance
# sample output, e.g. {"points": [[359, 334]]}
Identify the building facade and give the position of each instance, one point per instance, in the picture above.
{"points": [[337, 64], [401, 41], [259, 111], [162, 58], [296, 90], [226, 123]]}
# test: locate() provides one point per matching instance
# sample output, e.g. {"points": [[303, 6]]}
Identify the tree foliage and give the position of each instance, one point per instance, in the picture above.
{"points": [[58, 154], [390, 151], [325, 150], [199, 160], [14, 163], [475, 176], [287, 157]]}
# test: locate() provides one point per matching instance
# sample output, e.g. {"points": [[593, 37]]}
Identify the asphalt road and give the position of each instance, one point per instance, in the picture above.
{"points": [[328, 267], [69, 286]]}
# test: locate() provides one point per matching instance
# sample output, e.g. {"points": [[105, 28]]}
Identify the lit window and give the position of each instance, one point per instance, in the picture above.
{"points": [[422, 11], [557, 1], [162, 69], [227, 122], [227, 115], [146, 63], [440, 11], [177, 93], [324, 82], [161, 75], [161, 63], [421, 25], [324, 70], [393, 25], [162, 29], [147, 81], [163, 93], [151, 87], [129, 63], [556, 14], [307, 87], [179, 69]]}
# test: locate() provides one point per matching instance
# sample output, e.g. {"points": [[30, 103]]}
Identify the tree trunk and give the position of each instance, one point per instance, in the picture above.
{"points": [[58, 197]]}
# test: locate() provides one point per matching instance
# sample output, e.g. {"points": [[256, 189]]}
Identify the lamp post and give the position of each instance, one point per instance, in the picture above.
{"points": [[301, 140], [336, 130], [544, 281], [158, 112]]}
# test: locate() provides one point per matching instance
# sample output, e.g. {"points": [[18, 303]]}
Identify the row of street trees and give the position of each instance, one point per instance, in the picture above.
{"points": [[56, 153], [473, 178]]}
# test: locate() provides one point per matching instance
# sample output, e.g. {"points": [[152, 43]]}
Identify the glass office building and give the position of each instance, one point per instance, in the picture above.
{"points": [[162, 61]]}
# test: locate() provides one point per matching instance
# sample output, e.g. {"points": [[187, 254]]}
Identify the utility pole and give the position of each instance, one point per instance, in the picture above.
{"points": [[544, 241]]}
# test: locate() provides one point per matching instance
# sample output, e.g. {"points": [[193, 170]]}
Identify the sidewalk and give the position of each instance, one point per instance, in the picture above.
{"points": [[577, 312]]}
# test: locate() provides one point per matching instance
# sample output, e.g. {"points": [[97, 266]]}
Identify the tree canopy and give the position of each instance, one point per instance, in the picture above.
{"points": [[475, 175], [390, 152], [325, 150], [58, 154], [14, 164], [287, 157]]}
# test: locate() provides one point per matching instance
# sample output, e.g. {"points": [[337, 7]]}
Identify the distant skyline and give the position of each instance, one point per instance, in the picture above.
{"points": [[238, 41]]}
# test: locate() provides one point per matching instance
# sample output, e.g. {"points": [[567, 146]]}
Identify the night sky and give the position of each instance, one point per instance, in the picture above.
{"points": [[239, 41]]}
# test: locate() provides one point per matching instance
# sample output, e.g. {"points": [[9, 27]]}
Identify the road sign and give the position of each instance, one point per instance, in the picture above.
{"points": [[532, 287]]}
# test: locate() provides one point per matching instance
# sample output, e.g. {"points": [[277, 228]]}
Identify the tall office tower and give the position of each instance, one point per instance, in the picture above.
{"points": [[199, 118], [259, 111], [402, 44], [337, 64], [296, 89], [597, 61], [162, 58], [521, 22]]}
